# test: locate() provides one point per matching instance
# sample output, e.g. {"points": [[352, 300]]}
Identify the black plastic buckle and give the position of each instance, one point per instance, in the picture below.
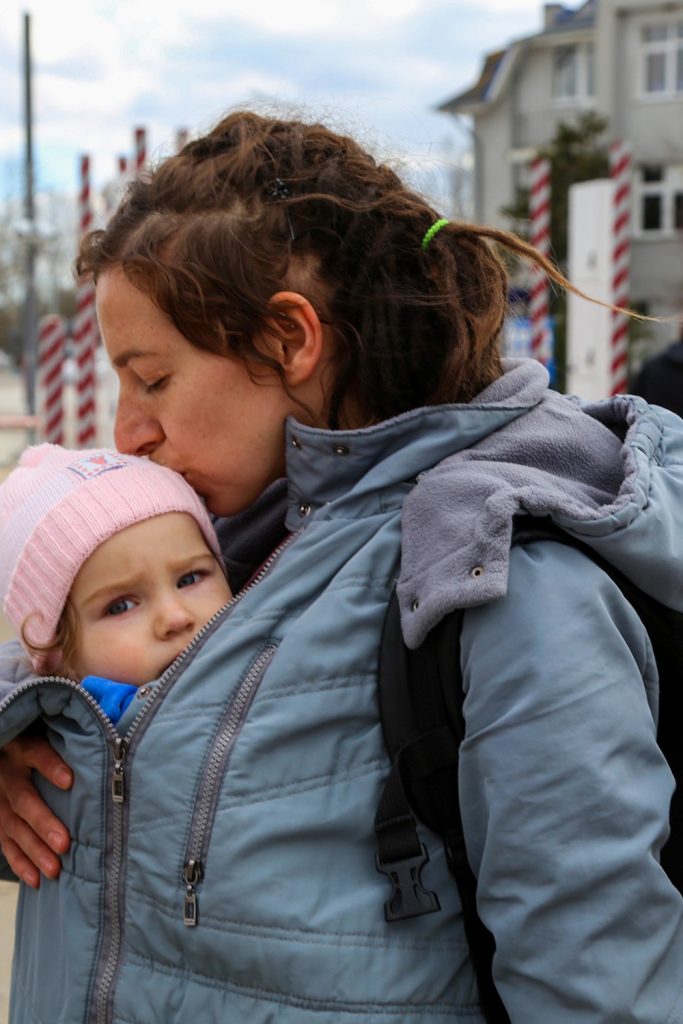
{"points": [[409, 898]]}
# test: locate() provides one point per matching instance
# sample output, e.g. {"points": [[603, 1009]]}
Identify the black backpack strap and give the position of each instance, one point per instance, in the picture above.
{"points": [[423, 727], [400, 854]]}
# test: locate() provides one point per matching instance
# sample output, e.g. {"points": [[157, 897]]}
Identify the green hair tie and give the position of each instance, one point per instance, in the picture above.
{"points": [[434, 230]]}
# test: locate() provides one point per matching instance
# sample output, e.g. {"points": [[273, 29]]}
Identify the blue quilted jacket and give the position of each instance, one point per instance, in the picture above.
{"points": [[222, 862]]}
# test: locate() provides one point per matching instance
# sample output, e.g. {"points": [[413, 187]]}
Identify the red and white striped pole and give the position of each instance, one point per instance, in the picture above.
{"points": [[539, 304], [140, 149], [51, 352], [620, 173], [85, 329], [113, 190]]}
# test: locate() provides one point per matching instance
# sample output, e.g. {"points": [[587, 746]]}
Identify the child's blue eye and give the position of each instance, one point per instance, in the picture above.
{"points": [[118, 607], [188, 578]]}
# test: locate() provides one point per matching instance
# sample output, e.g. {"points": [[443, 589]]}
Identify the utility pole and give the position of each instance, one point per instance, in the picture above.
{"points": [[30, 317]]}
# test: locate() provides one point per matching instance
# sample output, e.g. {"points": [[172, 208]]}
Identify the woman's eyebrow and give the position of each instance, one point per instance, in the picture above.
{"points": [[125, 357]]}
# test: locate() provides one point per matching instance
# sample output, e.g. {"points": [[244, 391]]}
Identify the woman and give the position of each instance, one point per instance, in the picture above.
{"points": [[276, 305]]}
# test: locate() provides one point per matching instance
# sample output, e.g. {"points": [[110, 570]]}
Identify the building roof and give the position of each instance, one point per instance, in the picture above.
{"points": [[478, 92], [567, 19], [559, 19]]}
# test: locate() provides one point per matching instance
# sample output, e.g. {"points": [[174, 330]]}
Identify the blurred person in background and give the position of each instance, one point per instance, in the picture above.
{"points": [[660, 379]]}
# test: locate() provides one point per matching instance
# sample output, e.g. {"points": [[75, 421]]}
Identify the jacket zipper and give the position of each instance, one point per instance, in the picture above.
{"points": [[113, 893], [117, 782], [212, 777], [113, 889]]}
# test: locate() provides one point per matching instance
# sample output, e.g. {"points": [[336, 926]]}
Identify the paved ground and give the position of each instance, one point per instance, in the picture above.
{"points": [[7, 901]]}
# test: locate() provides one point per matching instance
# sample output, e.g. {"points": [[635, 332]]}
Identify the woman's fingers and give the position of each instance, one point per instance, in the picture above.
{"points": [[20, 864], [34, 751], [31, 836]]}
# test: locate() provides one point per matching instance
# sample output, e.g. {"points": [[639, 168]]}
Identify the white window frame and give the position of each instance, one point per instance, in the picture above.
{"points": [[668, 188], [668, 48], [583, 62]]}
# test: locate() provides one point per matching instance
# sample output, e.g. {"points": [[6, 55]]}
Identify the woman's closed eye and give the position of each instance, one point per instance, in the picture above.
{"points": [[119, 606], [156, 385]]}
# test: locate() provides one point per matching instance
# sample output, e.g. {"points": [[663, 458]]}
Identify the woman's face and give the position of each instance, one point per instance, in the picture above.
{"points": [[199, 413]]}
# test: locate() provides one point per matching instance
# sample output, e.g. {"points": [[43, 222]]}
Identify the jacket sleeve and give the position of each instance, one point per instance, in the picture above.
{"points": [[565, 798], [15, 667]]}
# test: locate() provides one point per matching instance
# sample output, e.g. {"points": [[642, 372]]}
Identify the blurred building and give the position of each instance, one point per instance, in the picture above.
{"points": [[622, 59]]}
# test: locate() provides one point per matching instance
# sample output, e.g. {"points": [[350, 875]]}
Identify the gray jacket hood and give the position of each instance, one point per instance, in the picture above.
{"points": [[610, 473]]}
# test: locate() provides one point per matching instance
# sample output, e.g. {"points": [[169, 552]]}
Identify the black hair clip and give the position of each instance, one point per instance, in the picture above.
{"points": [[277, 189]]}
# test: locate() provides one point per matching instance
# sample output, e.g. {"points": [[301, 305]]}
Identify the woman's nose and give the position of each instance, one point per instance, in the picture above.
{"points": [[134, 432]]}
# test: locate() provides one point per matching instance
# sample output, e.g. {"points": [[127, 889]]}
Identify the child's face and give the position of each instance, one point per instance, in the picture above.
{"points": [[142, 596]]}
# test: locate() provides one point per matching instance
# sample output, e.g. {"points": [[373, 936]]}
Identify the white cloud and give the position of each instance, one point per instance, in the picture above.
{"points": [[294, 18], [377, 67], [523, 8]]}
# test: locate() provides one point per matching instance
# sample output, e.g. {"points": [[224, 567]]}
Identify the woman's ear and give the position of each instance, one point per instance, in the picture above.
{"points": [[296, 335]]}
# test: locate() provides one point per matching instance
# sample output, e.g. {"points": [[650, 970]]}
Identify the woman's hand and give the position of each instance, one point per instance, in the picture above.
{"points": [[31, 837]]}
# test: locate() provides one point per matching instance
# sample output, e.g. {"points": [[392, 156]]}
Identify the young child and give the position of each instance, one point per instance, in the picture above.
{"points": [[109, 566]]}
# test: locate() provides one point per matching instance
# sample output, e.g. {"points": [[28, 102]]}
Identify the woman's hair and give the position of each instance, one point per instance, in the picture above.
{"points": [[64, 643], [259, 205]]}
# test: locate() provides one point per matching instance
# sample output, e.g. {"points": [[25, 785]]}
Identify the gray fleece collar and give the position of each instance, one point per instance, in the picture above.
{"points": [[611, 473], [340, 466]]}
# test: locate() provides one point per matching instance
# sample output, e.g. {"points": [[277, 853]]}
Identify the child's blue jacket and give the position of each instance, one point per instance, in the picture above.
{"points": [[222, 862]]}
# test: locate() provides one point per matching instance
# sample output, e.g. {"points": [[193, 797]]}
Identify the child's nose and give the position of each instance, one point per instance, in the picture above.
{"points": [[173, 617]]}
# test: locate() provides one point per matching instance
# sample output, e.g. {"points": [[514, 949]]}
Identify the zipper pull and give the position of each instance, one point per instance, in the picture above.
{"points": [[117, 787], [192, 873]]}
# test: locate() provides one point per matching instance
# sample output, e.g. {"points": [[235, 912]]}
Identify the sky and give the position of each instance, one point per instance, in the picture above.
{"points": [[375, 68]]}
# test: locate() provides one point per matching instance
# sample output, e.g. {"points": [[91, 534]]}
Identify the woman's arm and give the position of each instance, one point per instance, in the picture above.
{"points": [[565, 798]]}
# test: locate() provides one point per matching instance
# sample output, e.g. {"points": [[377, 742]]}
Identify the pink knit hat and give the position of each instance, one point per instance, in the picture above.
{"points": [[57, 506]]}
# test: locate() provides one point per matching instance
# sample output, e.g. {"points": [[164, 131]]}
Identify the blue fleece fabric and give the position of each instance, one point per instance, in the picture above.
{"points": [[112, 697]]}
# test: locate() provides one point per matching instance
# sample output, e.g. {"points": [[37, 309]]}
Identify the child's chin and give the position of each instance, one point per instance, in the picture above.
{"points": [[152, 676]]}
